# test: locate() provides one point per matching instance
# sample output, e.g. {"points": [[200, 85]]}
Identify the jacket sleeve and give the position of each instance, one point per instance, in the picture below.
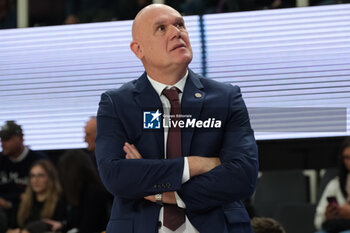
{"points": [[235, 179], [129, 178]]}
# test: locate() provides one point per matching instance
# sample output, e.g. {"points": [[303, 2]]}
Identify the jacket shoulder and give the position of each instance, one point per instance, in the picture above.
{"points": [[213, 84], [123, 90], [210, 85]]}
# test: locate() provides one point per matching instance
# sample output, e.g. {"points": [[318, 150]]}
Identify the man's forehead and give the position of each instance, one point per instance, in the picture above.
{"points": [[160, 12], [167, 19], [152, 15]]}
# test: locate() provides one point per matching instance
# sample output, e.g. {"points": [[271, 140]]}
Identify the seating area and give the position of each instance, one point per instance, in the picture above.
{"points": [[286, 195]]}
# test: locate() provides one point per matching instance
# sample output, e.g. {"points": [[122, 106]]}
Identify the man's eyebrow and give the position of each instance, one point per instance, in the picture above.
{"points": [[159, 22], [163, 21], [179, 19]]}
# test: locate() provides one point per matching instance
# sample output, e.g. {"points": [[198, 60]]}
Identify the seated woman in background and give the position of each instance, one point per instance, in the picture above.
{"points": [[41, 208], [333, 210], [84, 193]]}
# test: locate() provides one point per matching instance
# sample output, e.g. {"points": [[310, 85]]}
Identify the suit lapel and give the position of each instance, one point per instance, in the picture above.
{"points": [[148, 100], [191, 104]]}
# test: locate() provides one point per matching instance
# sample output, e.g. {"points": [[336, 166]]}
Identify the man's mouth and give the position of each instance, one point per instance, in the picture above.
{"points": [[178, 46]]}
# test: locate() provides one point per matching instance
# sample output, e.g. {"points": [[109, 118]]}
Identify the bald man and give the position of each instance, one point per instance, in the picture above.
{"points": [[90, 134], [175, 149]]}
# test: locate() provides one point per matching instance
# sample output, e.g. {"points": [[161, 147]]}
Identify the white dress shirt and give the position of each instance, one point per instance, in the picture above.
{"points": [[187, 227]]}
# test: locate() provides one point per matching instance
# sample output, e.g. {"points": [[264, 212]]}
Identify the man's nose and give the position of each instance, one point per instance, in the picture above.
{"points": [[174, 32]]}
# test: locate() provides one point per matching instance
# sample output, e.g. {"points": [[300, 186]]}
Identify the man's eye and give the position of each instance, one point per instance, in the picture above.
{"points": [[161, 28], [180, 25]]}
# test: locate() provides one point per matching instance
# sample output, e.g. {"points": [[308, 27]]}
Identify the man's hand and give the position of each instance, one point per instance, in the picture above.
{"points": [[344, 211], [4, 203], [331, 211], [168, 198], [131, 151], [199, 165]]}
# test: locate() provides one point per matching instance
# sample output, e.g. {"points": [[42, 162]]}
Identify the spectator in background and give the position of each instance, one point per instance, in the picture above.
{"points": [[41, 205], [3, 222], [175, 4], [334, 215], [46, 13], [8, 14], [87, 11], [90, 136], [200, 7], [15, 162], [127, 9], [90, 133], [83, 192], [266, 225]]}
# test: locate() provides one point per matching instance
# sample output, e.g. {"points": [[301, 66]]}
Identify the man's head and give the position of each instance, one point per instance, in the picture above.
{"points": [[90, 133], [160, 39], [266, 225], [11, 136]]}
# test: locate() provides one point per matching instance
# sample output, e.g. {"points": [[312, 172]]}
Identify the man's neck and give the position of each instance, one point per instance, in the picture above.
{"points": [[19, 154], [167, 78]]}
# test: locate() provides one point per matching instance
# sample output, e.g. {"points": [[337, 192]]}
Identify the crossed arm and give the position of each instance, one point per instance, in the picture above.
{"points": [[213, 181], [197, 166]]}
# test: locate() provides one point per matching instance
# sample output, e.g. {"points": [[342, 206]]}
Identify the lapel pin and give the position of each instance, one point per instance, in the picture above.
{"points": [[198, 95]]}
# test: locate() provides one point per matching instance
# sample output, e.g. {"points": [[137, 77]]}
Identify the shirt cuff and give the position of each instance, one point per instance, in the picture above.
{"points": [[186, 172], [179, 201], [185, 178]]}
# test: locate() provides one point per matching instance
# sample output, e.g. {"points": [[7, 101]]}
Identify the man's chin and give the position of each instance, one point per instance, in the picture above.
{"points": [[185, 59]]}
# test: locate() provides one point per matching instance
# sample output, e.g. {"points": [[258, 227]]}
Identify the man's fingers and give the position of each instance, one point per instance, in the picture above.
{"points": [[131, 156], [151, 198], [217, 162], [126, 149], [131, 151], [133, 147]]}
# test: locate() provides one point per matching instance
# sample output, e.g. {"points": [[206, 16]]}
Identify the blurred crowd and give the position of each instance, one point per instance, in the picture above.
{"points": [[58, 12], [38, 195]]}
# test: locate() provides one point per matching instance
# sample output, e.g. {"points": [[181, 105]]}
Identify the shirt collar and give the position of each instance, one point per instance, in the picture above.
{"points": [[159, 87], [21, 157]]}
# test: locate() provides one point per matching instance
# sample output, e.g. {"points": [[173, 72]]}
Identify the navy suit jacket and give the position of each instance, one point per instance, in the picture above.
{"points": [[212, 199]]}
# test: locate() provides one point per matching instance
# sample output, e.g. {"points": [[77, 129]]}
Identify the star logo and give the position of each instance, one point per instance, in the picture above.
{"points": [[156, 115], [151, 119]]}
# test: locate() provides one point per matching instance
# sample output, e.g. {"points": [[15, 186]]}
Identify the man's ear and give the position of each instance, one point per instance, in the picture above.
{"points": [[137, 49]]}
